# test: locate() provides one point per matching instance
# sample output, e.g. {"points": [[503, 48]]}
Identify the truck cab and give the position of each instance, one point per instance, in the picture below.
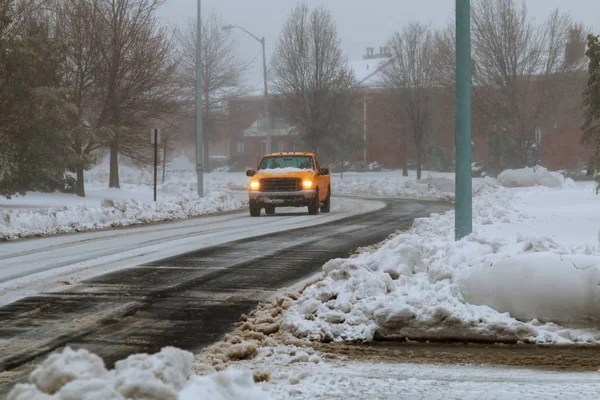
{"points": [[289, 180]]}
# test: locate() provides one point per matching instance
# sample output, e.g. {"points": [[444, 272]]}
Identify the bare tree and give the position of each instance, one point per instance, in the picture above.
{"points": [[135, 81], [411, 77], [223, 73], [520, 69], [445, 56], [312, 76]]}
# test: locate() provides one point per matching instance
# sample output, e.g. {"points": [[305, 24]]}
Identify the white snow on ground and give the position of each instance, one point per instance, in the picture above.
{"points": [[48, 213], [359, 380], [81, 375], [536, 176], [538, 248], [432, 186]]}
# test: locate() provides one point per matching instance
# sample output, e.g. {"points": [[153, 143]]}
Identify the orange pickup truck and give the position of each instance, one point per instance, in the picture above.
{"points": [[289, 180]]}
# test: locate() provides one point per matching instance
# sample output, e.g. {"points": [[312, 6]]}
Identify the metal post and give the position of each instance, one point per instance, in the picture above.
{"points": [[164, 160], [155, 160], [365, 125], [464, 194], [199, 76], [267, 113]]}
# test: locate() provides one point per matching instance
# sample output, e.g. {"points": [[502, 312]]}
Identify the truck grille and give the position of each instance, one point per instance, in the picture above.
{"points": [[281, 185]]}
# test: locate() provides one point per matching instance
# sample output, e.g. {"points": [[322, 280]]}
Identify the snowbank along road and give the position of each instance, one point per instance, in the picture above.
{"points": [[120, 297]]}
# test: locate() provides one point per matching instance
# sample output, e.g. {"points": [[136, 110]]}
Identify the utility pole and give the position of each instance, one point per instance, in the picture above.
{"points": [[228, 28], [155, 140], [164, 160], [199, 106], [463, 181], [267, 113]]}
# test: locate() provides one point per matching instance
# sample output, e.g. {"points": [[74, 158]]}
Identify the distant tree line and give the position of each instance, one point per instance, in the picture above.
{"points": [[521, 70]]}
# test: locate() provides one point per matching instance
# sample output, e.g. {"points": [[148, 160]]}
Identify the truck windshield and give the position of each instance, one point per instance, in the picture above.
{"points": [[300, 162]]}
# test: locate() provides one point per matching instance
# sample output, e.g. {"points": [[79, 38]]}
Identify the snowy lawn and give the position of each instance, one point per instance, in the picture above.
{"points": [[48, 213], [432, 186]]}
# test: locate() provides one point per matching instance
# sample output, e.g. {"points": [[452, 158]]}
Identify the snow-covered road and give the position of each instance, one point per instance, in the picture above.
{"points": [[29, 267]]}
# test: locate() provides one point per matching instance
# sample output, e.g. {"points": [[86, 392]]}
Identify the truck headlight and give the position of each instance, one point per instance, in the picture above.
{"points": [[254, 185], [307, 184]]}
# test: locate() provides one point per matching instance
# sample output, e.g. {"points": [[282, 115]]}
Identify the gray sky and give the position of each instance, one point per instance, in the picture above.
{"points": [[361, 23]]}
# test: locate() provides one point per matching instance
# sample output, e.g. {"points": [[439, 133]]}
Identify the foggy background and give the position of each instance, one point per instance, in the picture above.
{"points": [[360, 23]]}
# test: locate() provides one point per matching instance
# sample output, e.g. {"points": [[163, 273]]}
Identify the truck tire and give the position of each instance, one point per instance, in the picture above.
{"points": [[313, 207], [270, 210], [326, 207], [254, 208]]}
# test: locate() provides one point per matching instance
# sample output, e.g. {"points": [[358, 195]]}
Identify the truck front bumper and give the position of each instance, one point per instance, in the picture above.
{"points": [[301, 198]]}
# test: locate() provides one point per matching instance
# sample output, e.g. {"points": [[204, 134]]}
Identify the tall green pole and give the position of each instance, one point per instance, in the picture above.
{"points": [[199, 106], [464, 194]]}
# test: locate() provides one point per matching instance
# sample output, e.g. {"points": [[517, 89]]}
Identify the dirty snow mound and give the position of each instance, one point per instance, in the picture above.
{"points": [[536, 176], [411, 286], [167, 375]]}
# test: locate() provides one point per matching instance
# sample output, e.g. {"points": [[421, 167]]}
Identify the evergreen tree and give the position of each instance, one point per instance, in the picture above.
{"points": [[591, 103], [34, 113]]}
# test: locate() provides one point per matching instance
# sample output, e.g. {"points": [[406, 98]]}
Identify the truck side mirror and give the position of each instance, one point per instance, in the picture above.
{"points": [[250, 172], [323, 171]]}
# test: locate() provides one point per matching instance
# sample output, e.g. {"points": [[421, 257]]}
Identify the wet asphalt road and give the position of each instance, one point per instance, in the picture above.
{"points": [[188, 301]]}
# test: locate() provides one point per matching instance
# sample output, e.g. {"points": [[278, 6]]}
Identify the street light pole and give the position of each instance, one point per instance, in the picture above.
{"points": [[199, 105], [264, 54], [267, 114], [464, 194]]}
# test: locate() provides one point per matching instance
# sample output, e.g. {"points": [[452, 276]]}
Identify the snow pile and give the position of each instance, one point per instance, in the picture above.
{"points": [[19, 223], [423, 285], [536, 176], [167, 375], [431, 187], [131, 205], [533, 290]]}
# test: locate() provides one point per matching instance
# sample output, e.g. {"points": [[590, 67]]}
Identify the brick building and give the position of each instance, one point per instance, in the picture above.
{"points": [[390, 143]]}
